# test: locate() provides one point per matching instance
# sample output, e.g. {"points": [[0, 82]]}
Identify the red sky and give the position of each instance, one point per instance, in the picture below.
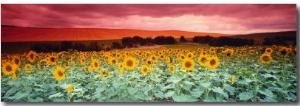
{"points": [[215, 18]]}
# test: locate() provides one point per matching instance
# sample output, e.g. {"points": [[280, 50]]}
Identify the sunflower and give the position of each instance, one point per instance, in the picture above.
{"points": [[121, 68], [182, 57], [153, 58], [104, 74], [28, 68], [59, 74], [190, 55], [213, 62], [212, 50], [130, 63], [283, 51], [252, 51], [70, 88], [8, 68], [203, 52], [268, 50], [112, 60], [171, 69], [232, 79], [16, 60], [82, 60], [161, 57], [229, 52], [14, 76], [168, 60], [149, 63], [95, 65], [86, 69], [266, 58], [51, 60], [202, 60], [188, 64], [144, 69], [31, 56]]}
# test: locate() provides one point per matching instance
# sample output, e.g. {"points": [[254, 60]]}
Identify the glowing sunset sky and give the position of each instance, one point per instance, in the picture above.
{"points": [[216, 18]]}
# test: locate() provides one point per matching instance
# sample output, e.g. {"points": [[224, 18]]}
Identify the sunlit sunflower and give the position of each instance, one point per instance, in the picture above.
{"points": [[144, 69], [283, 51], [161, 57], [31, 56], [82, 60], [95, 65], [188, 64], [149, 63], [203, 52], [212, 63], [130, 63], [104, 74], [190, 55], [121, 68], [28, 68], [212, 50], [8, 68], [70, 88], [265, 59], [182, 57], [171, 69], [167, 59], [144, 60], [112, 61], [229, 52], [268, 50], [86, 69], [232, 79], [59, 74], [202, 60], [16, 60], [52, 60], [153, 58]]}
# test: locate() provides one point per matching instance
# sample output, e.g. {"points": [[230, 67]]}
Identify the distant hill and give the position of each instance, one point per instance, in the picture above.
{"points": [[259, 37], [24, 34]]}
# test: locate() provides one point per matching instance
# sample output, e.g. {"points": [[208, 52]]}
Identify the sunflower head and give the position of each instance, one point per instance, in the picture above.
{"points": [[82, 60], [52, 60], [266, 58], [28, 68], [202, 60], [70, 88], [188, 64], [171, 69], [95, 65], [59, 74], [283, 51], [212, 63], [168, 60], [145, 70], [8, 68], [104, 74], [268, 50], [112, 61], [153, 58], [31, 56], [190, 55], [16, 60], [86, 69], [130, 63]]}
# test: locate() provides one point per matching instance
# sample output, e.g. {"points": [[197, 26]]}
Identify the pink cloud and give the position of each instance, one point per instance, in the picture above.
{"points": [[220, 18]]}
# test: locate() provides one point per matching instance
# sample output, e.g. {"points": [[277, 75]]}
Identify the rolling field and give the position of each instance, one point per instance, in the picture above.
{"points": [[170, 73]]}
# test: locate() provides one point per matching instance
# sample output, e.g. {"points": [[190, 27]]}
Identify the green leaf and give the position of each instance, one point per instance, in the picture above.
{"points": [[220, 91], [205, 85], [189, 83], [159, 94], [184, 98], [197, 92], [292, 97], [246, 95], [132, 90], [10, 92], [59, 94], [230, 89], [266, 92], [169, 94], [167, 87], [37, 99], [210, 98]]}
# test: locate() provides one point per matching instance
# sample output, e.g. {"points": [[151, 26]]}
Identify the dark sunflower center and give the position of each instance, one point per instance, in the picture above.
{"points": [[145, 70], [188, 64], [95, 64], [228, 54], [60, 73], [153, 58], [31, 56], [212, 62], [105, 74], [189, 56], [82, 60], [283, 52], [149, 62], [203, 59], [113, 61], [52, 59], [17, 61], [129, 63], [266, 58], [182, 57], [171, 68], [268, 50], [8, 68]]}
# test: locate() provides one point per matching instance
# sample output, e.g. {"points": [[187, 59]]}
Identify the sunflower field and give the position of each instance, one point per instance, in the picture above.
{"points": [[187, 74]]}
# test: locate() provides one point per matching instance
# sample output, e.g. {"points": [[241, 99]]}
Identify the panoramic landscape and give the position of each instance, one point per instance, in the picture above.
{"points": [[148, 53]]}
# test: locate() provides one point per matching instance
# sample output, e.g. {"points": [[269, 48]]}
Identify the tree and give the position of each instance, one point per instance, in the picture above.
{"points": [[182, 39]]}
